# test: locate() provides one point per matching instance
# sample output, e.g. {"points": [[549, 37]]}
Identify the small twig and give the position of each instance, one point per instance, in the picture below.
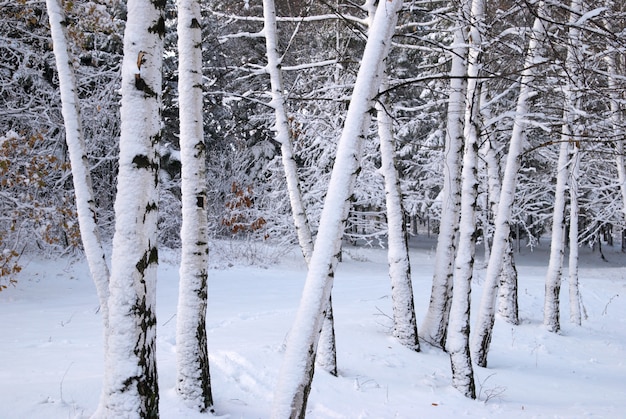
{"points": [[62, 379], [170, 319], [604, 312], [382, 313], [63, 323], [490, 393]]}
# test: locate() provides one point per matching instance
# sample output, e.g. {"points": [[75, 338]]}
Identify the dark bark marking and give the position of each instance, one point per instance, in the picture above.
{"points": [[195, 24], [148, 258], [158, 28], [141, 85]]}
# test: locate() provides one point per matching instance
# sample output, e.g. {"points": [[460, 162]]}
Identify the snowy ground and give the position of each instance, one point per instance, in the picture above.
{"points": [[51, 344]]}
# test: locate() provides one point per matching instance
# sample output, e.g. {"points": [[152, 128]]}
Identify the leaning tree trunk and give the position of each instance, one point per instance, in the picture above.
{"points": [[481, 338], [296, 373], [507, 288], [81, 176], [130, 364], [404, 322], [193, 382], [435, 325], [327, 356]]}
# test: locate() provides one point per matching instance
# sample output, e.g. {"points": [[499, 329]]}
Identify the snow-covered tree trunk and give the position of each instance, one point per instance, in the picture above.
{"points": [[296, 373], [193, 382], [481, 338], [435, 324], [507, 289], [282, 130], [83, 190], [130, 363], [81, 176], [404, 322], [327, 356], [574, 291], [457, 343], [557, 242], [571, 102]]}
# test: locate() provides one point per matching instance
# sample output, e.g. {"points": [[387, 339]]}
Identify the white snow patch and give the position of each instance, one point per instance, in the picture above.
{"points": [[51, 346]]}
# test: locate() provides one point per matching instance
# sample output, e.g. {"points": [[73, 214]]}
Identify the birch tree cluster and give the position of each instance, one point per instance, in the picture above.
{"points": [[484, 123]]}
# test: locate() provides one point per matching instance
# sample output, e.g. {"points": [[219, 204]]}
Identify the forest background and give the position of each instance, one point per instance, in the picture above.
{"points": [[247, 192]]}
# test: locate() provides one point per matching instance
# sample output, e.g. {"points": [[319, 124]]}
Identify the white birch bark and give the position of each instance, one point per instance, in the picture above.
{"points": [[130, 362], [81, 176], [574, 291], [193, 382], [282, 130], [507, 288], [457, 342], [404, 322], [326, 357], [481, 338], [435, 324], [555, 266], [296, 372], [551, 310]]}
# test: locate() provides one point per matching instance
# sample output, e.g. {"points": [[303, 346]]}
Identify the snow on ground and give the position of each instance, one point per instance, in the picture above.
{"points": [[51, 344]]}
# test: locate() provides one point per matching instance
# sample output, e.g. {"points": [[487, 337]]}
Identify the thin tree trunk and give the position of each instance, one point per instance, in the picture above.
{"points": [[130, 365], [481, 338], [404, 322], [574, 290], [551, 310], [435, 324], [328, 351], [81, 176], [296, 373], [193, 382], [553, 278], [507, 288]]}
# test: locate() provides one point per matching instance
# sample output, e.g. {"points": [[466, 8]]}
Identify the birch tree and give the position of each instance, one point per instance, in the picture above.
{"points": [[296, 372], [571, 105], [81, 175], [574, 291], [457, 343], [481, 338], [193, 376], [435, 324], [327, 357], [131, 384], [404, 322]]}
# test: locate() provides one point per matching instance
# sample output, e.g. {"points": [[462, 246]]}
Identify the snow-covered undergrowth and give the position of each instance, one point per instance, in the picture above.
{"points": [[51, 345]]}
